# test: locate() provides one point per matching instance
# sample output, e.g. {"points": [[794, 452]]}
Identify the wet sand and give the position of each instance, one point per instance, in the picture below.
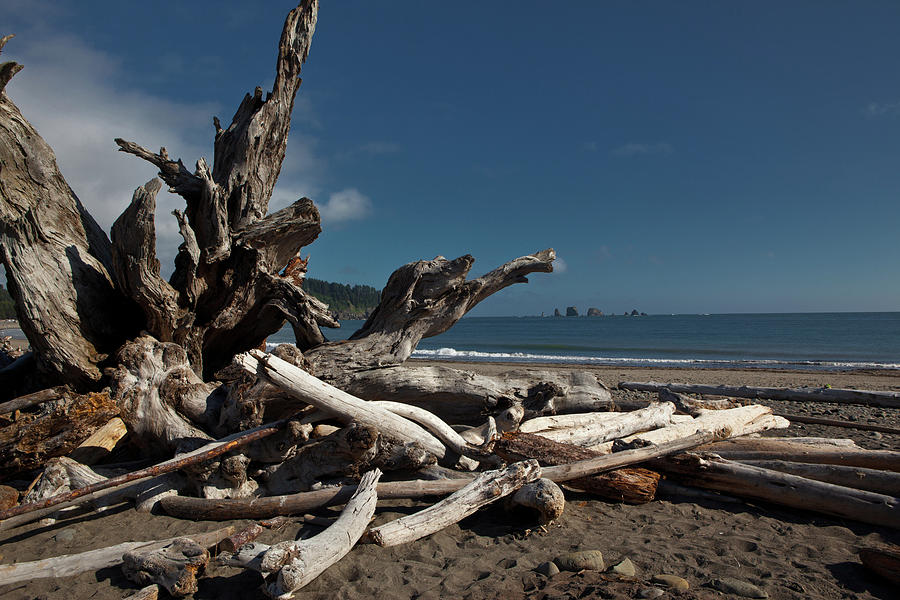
{"points": [[787, 553]]}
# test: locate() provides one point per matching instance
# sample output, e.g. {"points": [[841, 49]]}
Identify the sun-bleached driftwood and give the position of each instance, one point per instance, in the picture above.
{"points": [[464, 397], [94, 560], [624, 424], [786, 444], [55, 428], [483, 489], [834, 395], [539, 424], [840, 423], [297, 563], [712, 472], [692, 406], [421, 299], [630, 485], [342, 405], [729, 423], [175, 566], [28, 512], [541, 495], [885, 460], [100, 443], [870, 480], [292, 504]]}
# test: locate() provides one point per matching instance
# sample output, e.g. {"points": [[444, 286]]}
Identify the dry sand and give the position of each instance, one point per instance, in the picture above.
{"points": [[492, 554]]}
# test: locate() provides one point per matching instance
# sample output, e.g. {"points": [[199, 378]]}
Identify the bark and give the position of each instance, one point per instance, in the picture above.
{"points": [[870, 480], [483, 489], [55, 429], [712, 472], [94, 560], [298, 563], [57, 258], [632, 485], [834, 395], [421, 299], [462, 397]]}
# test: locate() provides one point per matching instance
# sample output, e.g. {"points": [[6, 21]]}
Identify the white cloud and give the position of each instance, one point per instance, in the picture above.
{"points": [[880, 109], [637, 149], [346, 205]]}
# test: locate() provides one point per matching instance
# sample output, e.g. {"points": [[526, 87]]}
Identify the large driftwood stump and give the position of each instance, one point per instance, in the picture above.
{"points": [[174, 567]]}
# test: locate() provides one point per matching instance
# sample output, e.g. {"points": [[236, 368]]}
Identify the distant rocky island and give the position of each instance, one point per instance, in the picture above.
{"points": [[572, 311]]}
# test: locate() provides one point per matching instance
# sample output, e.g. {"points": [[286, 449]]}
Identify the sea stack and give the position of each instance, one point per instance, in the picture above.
{"points": [[594, 312], [571, 311]]}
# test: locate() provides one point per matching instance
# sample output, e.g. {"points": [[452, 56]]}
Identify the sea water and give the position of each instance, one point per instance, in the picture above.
{"points": [[809, 341]]}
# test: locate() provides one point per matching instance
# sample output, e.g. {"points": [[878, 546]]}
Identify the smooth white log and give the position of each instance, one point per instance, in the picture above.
{"points": [[539, 424], [297, 563], [483, 489], [342, 405], [653, 417]]}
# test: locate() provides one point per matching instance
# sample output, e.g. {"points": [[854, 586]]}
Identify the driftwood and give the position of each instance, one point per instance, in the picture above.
{"points": [[833, 395], [459, 396], [871, 480], [8, 518], [94, 560], [623, 424], [883, 561], [483, 489], [784, 444], [261, 508], [298, 563], [151, 592], [34, 399], [55, 429], [693, 406], [175, 566], [712, 472], [539, 424], [631, 485], [885, 460], [543, 496], [100, 443], [840, 423]]}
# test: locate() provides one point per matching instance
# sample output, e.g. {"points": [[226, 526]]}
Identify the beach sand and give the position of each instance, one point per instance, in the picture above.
{"points": [[493, 554]]}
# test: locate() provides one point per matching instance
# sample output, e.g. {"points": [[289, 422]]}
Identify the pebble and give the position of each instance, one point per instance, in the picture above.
{"points": [[737, 587], [590, 560], [625, 568], [650, 593], [673, 582], [65, 536], [877, 435], [548, 569]]}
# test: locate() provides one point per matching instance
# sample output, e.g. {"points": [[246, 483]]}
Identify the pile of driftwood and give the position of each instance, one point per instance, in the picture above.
{"points": [[124, 357]]}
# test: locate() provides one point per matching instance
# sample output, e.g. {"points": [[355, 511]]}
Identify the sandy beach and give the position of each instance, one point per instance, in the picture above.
{"points": [[493, 554]]}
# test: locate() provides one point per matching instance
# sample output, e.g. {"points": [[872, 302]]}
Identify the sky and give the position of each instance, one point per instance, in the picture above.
{"points": [[689, 157]]}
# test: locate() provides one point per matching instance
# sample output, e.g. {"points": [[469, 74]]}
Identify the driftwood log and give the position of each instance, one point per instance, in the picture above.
{"points": [[870, 480], [833, 395], [619, 426]]}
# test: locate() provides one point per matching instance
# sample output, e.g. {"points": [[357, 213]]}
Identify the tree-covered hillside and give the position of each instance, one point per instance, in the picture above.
{"points": [[348, 301]]}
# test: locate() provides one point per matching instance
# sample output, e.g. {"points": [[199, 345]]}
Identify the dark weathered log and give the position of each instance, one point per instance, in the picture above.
{"points": [[634, 485], [711, 472], [202, 454], [33, 399], [57, 258], [421, 299], [260, 508], [459, 396], [883, 561], [692, 406], [834, 395], [55, 429], [871, 480]]}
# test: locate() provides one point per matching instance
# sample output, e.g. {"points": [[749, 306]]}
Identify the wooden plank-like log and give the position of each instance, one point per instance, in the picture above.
{"points": [[94, 560], [882, 560], [871, 480], [711, 472], [483, 489], [884, 460], [882, 399], [624, 424], [840, 423]]}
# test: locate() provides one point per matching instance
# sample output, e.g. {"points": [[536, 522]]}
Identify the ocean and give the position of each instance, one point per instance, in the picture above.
{"points": [[801, 341]]}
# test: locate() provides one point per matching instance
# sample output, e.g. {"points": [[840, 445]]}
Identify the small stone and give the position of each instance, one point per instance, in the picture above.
{"points": [[729, 585], [548, 569], [625, 568], [673, 582], [650, 593], [877, 435], [9, 497], [65, 536], [586, 560]]}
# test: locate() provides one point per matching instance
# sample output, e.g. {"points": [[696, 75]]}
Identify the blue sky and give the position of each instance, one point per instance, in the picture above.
{"points": [[680, 157]]}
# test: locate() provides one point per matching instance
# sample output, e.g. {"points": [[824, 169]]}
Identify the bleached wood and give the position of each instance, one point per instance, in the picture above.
{"points": [[539, 424], [298, 563], [712, 472], [784, 444], [483, 489], [870, 480], [727, 423], [342, 405], [624, 424], [883, 399], [101, 442], [94, 560], [175, 566], [885, 460]]}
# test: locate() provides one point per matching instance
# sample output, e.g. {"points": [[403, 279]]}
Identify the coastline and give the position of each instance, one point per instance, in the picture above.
{"points": [[493, 554]]}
